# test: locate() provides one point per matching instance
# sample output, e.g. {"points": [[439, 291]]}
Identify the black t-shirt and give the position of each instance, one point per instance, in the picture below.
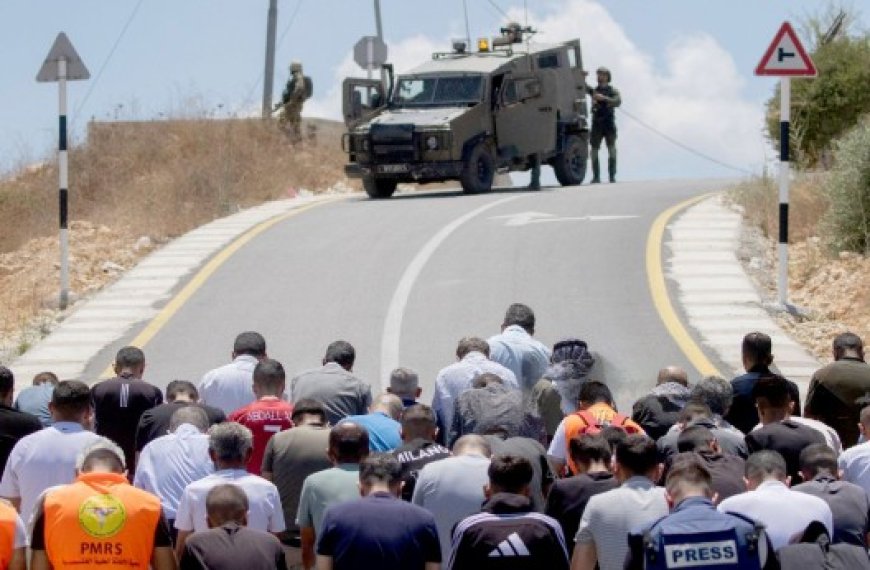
{"points": [[568, 498], [162, 536], [413, 456], [118, 405], [13, 426], [232, 547], [154, 423], [789, 439]]}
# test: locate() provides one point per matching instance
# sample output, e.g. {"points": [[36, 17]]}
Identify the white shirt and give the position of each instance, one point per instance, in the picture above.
{"points": [[41, 460], [264, 503], [231, 386], [168, 464], [526, 357], [455, 379], [785, 513], [855, 463]]}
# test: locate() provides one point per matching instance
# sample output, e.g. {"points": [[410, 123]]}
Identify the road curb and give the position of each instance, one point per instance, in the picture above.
{"points": [[719, 300], [139, 295]]}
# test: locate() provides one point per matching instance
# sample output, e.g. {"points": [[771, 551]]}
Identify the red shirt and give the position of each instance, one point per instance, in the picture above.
{"points": [[265, 417]]}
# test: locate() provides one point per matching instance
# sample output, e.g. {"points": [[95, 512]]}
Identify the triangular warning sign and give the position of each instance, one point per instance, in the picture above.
{"points": [[62, 49], [786, 56]]}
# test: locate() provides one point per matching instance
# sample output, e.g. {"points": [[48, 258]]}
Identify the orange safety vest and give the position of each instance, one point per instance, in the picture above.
{"points": [[592, 420], [8, 519], [100, 521]]}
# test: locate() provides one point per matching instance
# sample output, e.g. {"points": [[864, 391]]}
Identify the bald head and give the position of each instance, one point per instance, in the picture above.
{"points": [[348, 443], [472, 445], [673, 374], [226, 503], [389, 404]]}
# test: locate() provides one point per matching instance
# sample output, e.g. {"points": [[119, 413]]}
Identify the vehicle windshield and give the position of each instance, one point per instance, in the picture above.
{"points": [[438, 91]]}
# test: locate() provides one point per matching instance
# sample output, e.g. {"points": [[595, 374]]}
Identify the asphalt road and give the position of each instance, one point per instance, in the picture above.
{"points": [[404, 279]]}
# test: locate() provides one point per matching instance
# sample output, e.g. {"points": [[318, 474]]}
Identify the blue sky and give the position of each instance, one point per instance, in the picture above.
{"points": [[684, 66]]}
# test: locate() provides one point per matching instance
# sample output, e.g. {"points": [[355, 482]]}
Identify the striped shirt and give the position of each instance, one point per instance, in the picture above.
{"points": [[610, 516]]}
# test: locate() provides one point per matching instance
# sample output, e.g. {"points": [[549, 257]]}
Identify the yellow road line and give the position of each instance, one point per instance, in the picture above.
{"points": [[203, 275], [659, 290]]}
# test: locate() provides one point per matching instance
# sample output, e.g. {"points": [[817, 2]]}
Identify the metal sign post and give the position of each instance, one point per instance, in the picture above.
{"points": [[785, 58], [61, 65]]}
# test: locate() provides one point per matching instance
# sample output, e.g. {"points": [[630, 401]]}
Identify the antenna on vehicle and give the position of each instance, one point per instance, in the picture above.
{"points": [[467, 28]]}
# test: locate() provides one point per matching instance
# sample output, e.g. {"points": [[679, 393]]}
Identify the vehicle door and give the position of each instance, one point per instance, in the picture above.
{"points": [[361, 99], [525, 118]]}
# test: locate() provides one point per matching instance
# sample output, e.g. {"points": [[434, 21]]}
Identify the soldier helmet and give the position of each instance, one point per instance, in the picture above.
{"points": [[605, 71], [295, 66]]}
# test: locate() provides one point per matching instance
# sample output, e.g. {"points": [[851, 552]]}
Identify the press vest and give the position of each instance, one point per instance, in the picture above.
{"points": [[100, 521], [8, 518], [698, 536]]}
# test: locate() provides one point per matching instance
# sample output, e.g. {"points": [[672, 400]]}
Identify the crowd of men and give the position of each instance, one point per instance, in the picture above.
{"points": [[522, 460]]}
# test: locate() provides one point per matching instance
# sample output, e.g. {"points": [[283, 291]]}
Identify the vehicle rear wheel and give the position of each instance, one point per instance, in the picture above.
{"points": [[478, 171], [379, 187], [570, 164]]}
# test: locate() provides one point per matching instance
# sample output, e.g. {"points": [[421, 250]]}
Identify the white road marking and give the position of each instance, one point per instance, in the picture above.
{"points": [[526, 218], [396, 312]]}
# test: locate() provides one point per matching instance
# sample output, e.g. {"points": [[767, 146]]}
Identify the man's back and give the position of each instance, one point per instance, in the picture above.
{"points": [[784, 512], [229, 387], [118, 406], [385, 433], [568, 498], [743, 414], [610, 516], [34, 400], [456, 378], [855, 463], [154, 423], [14, 425], [481, 410], [265, 418], [834, 394], [516, 350], [536, 454], [324, 489], [290, 457], [413, 456], [786, 437], [264, 511], [849, 505], [231, 547], [507, 536], [379, 531], [451, 489], [340, 392]]}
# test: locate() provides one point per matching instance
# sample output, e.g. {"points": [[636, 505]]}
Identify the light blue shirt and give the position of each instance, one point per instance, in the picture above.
{"points": [[170, 463], [455, 379], [385, 433], [516, 350], [34, 400], [855, 463], [229, 387]]}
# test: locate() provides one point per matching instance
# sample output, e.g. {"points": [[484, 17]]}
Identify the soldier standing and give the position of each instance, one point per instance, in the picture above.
{"points": [[295, 93], [605, 98]]}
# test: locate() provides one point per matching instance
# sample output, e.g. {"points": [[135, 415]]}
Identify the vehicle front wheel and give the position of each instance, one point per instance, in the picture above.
{"points": [[378, 188], [478, 171], [570, 164]]}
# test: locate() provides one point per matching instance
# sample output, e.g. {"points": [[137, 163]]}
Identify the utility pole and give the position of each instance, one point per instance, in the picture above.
{"points": [[269, 72], [379, 28]]}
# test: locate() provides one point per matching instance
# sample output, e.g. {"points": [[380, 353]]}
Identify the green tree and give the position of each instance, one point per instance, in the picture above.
{"points": [[825, 107], [847, 221]]}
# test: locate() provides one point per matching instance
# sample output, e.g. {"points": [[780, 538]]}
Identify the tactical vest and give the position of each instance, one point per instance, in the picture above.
{"points": [[603, 114], [8, 519], [735, 548], [100, 521]]}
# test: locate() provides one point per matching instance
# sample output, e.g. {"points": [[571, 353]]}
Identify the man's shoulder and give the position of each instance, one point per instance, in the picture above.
{"points": [[12, 417], [862, 451]]}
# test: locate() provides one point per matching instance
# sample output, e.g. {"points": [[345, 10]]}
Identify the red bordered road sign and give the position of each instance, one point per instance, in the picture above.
{"points": [[786, 56]]}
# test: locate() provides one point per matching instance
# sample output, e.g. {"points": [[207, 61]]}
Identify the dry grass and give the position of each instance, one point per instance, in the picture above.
{"points": [[163, 178]]}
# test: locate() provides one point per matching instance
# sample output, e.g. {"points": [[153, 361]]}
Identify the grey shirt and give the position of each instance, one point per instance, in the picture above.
{"points": [[290, 457], [325, 488], [452, 489], [340, 392], [849, 505]]}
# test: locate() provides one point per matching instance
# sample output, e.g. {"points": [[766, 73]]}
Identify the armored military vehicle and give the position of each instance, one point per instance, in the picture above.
{"points": [[468, 115]]}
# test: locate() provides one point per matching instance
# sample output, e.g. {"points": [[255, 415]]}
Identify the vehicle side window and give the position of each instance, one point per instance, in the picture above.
{"points": [[572, 58], [548, 61], [510, 92]]}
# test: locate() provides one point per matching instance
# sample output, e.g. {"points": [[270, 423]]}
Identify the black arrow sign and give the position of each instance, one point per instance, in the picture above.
{"points": [[782, 54]]}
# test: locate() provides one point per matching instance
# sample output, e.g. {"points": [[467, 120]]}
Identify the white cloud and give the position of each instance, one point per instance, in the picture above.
{"points": [[693, 92]]}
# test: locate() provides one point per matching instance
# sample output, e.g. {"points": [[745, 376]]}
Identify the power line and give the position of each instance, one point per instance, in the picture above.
{"points": [[96, 80], [683, 146], [498, 9]]}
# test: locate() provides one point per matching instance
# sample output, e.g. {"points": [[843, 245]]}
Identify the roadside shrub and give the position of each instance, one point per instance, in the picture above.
{"points": [[847, 222]]}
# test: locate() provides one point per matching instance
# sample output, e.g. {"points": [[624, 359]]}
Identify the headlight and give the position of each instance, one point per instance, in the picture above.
{"points": [[432, 142]]}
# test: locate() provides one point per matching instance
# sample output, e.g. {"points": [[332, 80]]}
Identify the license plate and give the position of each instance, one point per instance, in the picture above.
{"points": [[393, 168]]}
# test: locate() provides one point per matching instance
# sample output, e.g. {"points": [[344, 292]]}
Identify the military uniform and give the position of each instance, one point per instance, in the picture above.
{"points": [[604, 125], [294, 96], [696, 535]]}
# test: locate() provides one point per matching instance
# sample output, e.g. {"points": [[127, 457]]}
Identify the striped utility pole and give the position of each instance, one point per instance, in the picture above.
{"points": [[785, 58], [61, 65]]}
